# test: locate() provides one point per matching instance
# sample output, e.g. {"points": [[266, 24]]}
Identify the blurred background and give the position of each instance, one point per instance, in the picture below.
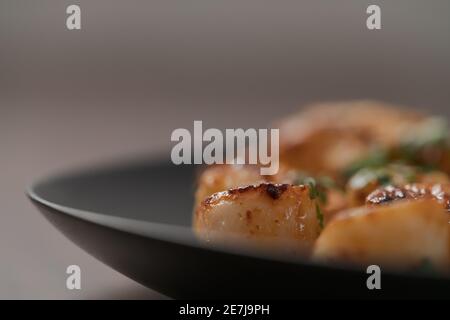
{"points": [[137, 70]]}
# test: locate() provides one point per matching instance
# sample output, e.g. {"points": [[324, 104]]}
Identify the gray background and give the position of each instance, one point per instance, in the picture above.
{"points": [[139, 69]]}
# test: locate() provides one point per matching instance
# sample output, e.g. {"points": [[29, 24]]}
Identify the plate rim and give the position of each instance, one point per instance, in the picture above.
{"points": [[180, 235]]}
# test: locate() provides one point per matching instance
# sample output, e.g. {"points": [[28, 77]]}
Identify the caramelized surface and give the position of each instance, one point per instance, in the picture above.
{"points": [[263, 214]]}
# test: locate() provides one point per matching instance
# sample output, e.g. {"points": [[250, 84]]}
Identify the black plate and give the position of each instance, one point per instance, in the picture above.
{"points": [[136, 218]]}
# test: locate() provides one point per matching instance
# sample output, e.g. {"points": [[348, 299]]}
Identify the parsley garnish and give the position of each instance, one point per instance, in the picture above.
{"points": [[319, 216], [317, 187], [317, 191], [384, 179], [376, 159], [432, 135]]}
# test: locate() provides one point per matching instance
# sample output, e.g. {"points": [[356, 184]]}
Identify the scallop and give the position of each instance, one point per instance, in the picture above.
{"points": [[402, 234], [268, 215]]}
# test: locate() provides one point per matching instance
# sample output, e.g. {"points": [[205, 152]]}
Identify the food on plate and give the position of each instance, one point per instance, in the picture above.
{"points": [[360, 182], [329, 137], [264, 214], [434, 191], [217, 178], [366, 180], [400, 235]]}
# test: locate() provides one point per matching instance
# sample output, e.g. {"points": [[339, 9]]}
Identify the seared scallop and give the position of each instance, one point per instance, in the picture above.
{"points": [[334, 197], [437, 192], [367, 180], [379, 122], [326, 138], [402, 234], [268, 215], [223, 177]]}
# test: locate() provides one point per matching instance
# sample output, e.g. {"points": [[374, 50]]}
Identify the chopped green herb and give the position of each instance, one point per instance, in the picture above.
{"points": [[384, 179], [376, 158], [315, 191], [319, 216], [323, 197], [430, 137], [317, 187], [433, 131], [380, 176], [312, 188], [328, 182], [410, 176], [394, 173]]}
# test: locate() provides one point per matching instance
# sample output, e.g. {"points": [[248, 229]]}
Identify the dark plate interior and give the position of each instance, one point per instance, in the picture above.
{"points": [[136, 218]]}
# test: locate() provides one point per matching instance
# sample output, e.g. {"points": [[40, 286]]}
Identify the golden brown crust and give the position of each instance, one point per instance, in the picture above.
{"points": [[217, 178], [268, 189], [263, 214], [438, 192], [366, 181]]}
